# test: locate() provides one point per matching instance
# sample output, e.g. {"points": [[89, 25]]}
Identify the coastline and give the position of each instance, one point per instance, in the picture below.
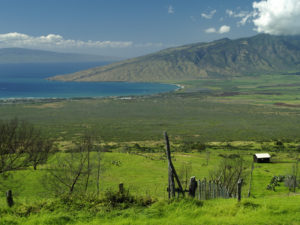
{"points": [[20, 100]]}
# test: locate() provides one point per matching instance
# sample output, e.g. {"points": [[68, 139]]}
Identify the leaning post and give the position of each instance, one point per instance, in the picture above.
{"points": [[9, 198], [239, 189], [172, 171], [171, 183]]}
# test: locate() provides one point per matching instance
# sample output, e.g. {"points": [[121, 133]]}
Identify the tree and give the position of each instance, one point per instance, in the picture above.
{"points": [[66, 171], [40, 151], [17, 140], [72, 171], [184, 173], [229, 171]]}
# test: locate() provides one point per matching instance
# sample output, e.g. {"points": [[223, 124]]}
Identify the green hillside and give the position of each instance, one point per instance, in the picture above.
{"points": [[261, 54]]}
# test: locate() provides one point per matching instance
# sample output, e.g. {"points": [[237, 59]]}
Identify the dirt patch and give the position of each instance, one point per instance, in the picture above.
{"points": [[53, 105], [228, 94], [286, 105], [280, 85], [267, 93]]}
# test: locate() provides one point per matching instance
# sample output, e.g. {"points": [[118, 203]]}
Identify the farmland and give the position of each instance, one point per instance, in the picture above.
{"points": [[239, 116]]}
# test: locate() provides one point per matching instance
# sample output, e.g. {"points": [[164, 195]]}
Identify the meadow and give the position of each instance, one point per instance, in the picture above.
{"points": [[240, 116], [145, 175]]}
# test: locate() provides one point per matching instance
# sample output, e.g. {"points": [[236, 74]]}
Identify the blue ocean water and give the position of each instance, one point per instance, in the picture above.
{"points": [[28, 81]]}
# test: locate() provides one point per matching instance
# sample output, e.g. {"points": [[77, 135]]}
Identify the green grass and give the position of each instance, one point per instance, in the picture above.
{"points": [[204, 111], [269, 210], [146, 174]]}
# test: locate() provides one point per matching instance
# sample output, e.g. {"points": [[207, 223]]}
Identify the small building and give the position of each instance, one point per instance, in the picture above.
{"points": [[261, 157]]}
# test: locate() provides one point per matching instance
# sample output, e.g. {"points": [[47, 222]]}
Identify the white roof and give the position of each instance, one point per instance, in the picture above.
{"points": [[262, 155]]}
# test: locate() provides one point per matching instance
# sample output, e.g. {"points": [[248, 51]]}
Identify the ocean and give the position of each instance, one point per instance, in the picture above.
{"points": [[24, 81]]}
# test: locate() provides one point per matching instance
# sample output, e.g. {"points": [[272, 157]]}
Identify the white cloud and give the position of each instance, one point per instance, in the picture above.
{"points": [[278, 17], [149, 45], [229, 12], [209, 15], [211, 30], [244, 16], [55, 41], [171, 10], [223, 29]]}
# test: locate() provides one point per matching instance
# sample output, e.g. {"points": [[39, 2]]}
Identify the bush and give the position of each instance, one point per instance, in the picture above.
{"points": [[113, 199]]}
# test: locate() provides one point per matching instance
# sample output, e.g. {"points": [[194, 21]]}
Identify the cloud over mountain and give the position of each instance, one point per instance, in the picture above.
{"points": [[223, 29], [277, 17], [55, 41]]}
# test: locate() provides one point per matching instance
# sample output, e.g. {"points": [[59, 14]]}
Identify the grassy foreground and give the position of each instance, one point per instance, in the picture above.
{"points": [[269, 210], [145, 175]]}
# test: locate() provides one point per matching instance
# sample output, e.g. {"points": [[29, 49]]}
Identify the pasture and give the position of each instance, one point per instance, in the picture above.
{"points": [[237, 117]]}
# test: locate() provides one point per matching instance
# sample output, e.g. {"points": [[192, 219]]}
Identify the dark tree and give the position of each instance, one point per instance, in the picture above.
{"points": [[17, 139], [40, 151], [21, 145]]}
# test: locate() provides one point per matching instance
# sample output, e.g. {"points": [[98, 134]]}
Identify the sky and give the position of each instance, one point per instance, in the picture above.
{"points": [[129, 28]]}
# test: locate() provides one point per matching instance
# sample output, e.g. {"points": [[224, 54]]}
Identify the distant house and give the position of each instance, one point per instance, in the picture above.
{"points": [[262, 157]]}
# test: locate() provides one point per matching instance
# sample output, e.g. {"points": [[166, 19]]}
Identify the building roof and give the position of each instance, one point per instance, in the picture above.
{"points": [[262, 155]]}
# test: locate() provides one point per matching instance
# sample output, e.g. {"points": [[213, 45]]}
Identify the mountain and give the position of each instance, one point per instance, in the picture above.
{"points": [[22, 55], [261, 54]]}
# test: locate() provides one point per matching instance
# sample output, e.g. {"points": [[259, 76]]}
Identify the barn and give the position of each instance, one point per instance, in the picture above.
{"points": [[262, 157]]}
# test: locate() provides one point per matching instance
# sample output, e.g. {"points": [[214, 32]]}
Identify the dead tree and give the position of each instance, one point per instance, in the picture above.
{"points": [[172, 172], [68, 172], [21, 145]]}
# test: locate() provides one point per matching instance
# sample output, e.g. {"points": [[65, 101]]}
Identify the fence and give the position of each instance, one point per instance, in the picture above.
{"points": [[206, 190], [210, 190]]}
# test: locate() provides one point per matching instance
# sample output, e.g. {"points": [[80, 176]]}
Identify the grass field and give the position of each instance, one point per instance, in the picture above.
{"points": [[239, 116], [145, 174], [269, 210]]}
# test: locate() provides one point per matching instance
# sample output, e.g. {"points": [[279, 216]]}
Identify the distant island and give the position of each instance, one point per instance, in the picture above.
{"points": [[23, 55], [225, 58]]}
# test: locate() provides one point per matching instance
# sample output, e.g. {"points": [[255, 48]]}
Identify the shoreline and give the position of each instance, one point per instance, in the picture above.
{"points": [[58, 99]]}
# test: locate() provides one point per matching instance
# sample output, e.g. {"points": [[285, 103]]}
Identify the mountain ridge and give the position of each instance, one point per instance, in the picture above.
{"points": [[260, 54]]}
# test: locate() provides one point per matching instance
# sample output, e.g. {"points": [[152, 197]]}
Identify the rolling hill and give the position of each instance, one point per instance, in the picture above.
{"points": [[261, 54], [23, 55]]}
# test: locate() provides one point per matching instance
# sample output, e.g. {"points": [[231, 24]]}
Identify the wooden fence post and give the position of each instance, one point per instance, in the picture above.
{"points": [[9, 198], [192, 186], [209, 190], [250, 183], [214, 189], [171, 183], [204, 189], [200, 189], [239, 189], [171, 171], [121, 188]]}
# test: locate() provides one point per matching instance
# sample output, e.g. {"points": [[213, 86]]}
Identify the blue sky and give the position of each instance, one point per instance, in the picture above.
{"points": [[129, 28]]}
